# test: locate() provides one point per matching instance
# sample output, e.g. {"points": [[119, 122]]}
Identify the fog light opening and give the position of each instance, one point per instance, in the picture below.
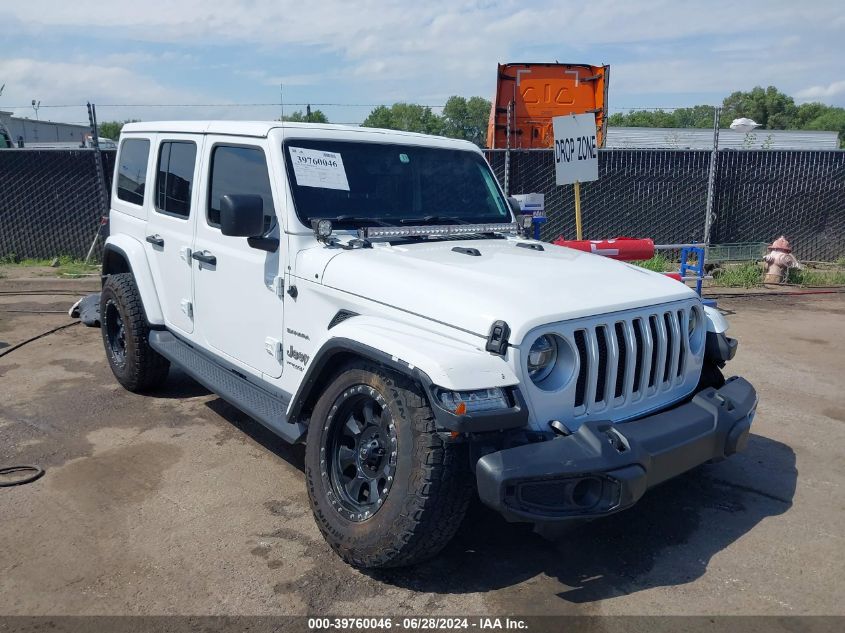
{"points": [[587, 492]]}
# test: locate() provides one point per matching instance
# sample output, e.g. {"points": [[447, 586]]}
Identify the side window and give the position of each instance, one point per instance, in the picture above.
{"points": [[132, 170], [239, 170], [176, 160]]}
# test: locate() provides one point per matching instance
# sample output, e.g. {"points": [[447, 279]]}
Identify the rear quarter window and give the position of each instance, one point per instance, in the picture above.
{"points": [[132, 170], [175, 177]]}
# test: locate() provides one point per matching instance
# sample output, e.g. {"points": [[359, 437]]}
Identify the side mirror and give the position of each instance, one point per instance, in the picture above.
{"points": [[242, 215], [514, 204]]}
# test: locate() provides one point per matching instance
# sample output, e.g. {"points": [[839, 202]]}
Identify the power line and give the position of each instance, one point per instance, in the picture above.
{"points": [[665, 108], [217, 105], [298, 104]]}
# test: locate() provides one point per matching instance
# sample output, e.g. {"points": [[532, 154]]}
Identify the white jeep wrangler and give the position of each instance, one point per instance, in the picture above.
{"points": [[368, 292]]}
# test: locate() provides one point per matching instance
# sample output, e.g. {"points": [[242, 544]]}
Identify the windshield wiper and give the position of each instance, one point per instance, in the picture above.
{"points": [[355, 219], [433, 219]]}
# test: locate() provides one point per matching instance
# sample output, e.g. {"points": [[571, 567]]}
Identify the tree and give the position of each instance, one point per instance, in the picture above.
{"points": [[700, 116], [310, 116], [808, 112], [409, 117], [461, 118], [466, 119], [111, 129], [771, 108], [829, 119]]}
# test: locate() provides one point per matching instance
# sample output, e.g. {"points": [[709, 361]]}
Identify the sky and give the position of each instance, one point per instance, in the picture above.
{"points": [[139, 58]]}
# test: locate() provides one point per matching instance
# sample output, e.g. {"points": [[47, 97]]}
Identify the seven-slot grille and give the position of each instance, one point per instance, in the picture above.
{"points": [[629, 359]]}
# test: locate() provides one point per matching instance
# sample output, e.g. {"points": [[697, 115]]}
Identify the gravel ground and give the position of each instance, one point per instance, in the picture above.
{"points": [[179, 504]]}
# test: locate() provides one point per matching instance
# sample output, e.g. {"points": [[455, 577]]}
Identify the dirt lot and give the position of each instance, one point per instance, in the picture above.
{"points": [[179, 504]]}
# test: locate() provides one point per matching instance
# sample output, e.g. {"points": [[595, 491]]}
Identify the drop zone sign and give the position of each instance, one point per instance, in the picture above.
{"points": [[576, 154]]}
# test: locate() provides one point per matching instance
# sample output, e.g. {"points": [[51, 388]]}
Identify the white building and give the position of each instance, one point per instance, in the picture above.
{"points": [[702, 138], [43, 132]]}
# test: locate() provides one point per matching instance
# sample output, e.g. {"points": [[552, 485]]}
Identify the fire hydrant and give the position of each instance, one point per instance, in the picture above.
{"points": [[779, 259]]}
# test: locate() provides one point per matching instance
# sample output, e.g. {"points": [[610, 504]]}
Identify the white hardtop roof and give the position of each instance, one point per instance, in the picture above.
{"points": [[261, 129]]}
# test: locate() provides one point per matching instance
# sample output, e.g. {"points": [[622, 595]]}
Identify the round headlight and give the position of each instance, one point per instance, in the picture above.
{"points": [[541, 358], [692, 322]]}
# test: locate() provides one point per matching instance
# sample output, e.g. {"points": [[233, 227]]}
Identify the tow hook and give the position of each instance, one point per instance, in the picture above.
{"points": [[559, 429], [616, 440]]}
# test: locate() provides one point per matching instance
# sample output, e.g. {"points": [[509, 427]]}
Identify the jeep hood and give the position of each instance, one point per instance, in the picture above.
{"points": [[524, 287]]}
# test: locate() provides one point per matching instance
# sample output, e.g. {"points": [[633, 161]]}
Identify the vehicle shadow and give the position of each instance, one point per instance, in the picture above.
{"points": [[667, 539], [179, 386], [242, 423]]}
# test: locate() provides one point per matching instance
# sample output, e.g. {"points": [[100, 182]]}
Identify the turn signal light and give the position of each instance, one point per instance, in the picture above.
{"points": [[463, 402]]}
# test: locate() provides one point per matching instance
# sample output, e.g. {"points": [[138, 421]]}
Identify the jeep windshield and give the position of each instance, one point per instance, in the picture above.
{"points": [[358, 184]]}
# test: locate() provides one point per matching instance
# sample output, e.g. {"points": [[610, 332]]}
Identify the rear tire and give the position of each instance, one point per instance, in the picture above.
{"points": [[136, 365], [385, 488]]}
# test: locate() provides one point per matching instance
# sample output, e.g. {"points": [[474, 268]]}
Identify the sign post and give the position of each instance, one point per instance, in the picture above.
{"points": [[576, 155], [578, 232]]}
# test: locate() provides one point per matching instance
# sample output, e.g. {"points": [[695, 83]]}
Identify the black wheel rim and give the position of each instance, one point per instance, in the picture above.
{"points": [[358, 455], [115, 334]]}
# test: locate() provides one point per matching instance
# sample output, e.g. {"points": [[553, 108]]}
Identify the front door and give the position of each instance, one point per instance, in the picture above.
{"points": [[237, 307], [170, 227]]}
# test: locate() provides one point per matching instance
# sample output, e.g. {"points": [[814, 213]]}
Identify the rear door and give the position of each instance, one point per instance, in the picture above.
{"points": [[170, 227], [238, 311]]}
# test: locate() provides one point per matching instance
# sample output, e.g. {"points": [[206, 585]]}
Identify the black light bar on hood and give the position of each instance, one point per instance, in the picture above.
{"points": [[374, 232]]}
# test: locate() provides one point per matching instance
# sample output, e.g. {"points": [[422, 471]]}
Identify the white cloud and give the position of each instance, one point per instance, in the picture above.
{"points": [[78, 83], [302, 79], [384, 26], [396, 49], [827, 91], [689, 75]]}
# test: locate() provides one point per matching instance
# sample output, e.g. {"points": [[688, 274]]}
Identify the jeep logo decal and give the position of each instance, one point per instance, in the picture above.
{"points": [[302, 358]]}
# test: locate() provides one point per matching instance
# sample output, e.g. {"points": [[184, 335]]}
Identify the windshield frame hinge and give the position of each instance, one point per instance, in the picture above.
{"points": [[497, 338]]}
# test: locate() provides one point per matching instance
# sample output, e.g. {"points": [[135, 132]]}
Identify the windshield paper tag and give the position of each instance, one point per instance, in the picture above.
{"points": [[314, 168]]}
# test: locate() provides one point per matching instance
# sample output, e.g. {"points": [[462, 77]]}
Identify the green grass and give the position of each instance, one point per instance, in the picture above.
{"points": [[745, 275], [658, 264], [67, 266], [840, 261], [809, 277]]}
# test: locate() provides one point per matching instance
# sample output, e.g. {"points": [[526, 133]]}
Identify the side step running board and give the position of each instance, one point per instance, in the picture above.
{"points": [[233, 387]]}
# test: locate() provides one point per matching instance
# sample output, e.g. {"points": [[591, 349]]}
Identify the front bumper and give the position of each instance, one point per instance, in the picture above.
{"points": [[603, 467]]}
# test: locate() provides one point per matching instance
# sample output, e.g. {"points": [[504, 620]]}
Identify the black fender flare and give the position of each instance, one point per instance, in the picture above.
{"points": [[513, 417]]}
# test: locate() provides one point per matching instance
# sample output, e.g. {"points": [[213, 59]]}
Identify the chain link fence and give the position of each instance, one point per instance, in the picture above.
{"points": [[51, 202], [643, 193], [663, 194], [760, 195]]}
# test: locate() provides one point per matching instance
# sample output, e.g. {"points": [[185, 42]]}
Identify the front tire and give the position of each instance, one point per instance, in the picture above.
{"points": [[385, 488], [136, 365]]}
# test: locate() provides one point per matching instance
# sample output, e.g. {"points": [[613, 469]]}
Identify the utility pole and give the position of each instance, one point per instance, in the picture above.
{"points": [[711, 182], [35, 106]]}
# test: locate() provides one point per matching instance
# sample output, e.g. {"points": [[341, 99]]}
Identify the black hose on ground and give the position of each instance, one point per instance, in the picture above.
{"points": [[36, 311], [26, 293], [11, 349], [34, 473]]}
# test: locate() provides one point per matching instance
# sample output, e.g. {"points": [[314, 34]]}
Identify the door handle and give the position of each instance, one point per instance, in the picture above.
{"points": [[155, 240], [205, 257]]}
